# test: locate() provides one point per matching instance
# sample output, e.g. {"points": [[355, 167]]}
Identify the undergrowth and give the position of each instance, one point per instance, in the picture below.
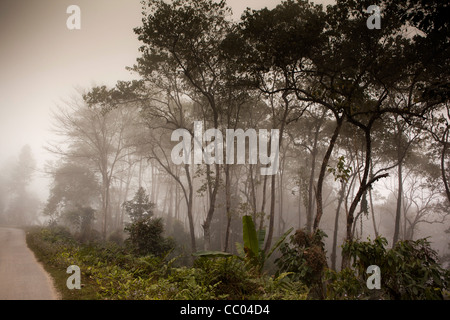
{"points": [[110, 271]]}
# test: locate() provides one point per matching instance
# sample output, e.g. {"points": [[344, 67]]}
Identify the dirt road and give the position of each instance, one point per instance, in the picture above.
{"points": [[22, 277]]}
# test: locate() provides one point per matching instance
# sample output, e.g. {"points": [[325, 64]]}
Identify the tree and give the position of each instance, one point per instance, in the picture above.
{"points": [[438, 127], [22, 173], [139, 207], [269, 61], [22, 205], [146, 237], [188, 33], [73, 185], [145, 231], [99, 136]]}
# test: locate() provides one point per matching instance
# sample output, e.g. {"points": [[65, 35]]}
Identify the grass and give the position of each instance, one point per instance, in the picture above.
{"points": [[89, 287], [112, 272]]}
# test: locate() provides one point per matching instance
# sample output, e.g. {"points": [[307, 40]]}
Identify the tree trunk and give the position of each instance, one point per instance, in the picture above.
{"points": [[399, 204], [272, 216], [362, 188], [299, 206], [227, 205], [212, 203], [309, 213], [105, 208], [371, 205], [336, 227], [189, 202], [253, 192], [443, 153], [263, 204], [272, 203], [323, 169]]}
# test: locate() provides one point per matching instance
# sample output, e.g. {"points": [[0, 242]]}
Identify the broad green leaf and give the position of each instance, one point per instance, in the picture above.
{"points": [[279, 242], [212, 254], [240, 249], [261, 237], [249, 235]]}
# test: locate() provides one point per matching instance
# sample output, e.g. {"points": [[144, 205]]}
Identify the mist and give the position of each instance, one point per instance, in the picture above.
{"points": [[88, 118]]}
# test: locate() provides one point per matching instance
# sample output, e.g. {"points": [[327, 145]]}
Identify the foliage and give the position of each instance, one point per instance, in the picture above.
{"points": [[145, 232], [304, 259], [251, 251], [343, 285], [342, 171], [410, 270], [146, 237], [254, 241], [82, 218], [73, 185], [139, 207], [113, 272]]}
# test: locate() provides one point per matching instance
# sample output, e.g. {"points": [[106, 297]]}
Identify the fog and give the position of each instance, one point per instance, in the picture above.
{"points": [[46, 69]]}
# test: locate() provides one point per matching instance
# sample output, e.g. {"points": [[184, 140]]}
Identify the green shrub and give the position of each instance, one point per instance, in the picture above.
{"points": [[304, 259], [344, 285], [140, 207], [110, 271], [146, 237], [410, 270], [229, 276]]}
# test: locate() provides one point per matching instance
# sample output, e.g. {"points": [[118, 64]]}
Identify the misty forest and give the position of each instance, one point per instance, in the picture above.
{"points": [[360, 162]]}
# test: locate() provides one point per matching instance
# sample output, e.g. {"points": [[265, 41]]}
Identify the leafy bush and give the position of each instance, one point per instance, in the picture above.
{"points": [[81, 218], [229, 276], [110, 271], [146, 237], [344, 285], [251, 251], [140, 207], [410, 270], [304, 259]]}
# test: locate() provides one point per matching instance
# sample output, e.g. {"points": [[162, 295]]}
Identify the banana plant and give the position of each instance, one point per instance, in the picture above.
{"points": [[251, 250]]}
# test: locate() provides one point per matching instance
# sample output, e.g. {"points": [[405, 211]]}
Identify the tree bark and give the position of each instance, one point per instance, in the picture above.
{"points": [[272, 203], [336, 227], [443, 153], [323, 169], [189, 202], [399, 204], [227, 205], [309, 214], [272, 215], [362, 188]]}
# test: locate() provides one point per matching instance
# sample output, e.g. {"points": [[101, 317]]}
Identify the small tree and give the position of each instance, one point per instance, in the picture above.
{"points": [[146, 232], [81, 218], [139, 207], [146, 237], [410, 270]]}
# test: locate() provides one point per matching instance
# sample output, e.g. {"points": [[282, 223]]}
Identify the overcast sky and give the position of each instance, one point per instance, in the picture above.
{"points": [[42, 61]]}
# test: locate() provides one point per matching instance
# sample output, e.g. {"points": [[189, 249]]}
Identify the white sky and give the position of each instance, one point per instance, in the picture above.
{"points": [[42, 61]]}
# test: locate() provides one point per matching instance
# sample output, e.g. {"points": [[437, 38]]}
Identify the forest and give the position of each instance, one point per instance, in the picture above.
{"points": [[337, 145]]}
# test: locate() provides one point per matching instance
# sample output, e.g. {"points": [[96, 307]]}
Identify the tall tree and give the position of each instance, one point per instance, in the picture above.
{"points": [[73, 185], [99, 136], [189, 33], [23, 204], [273, 46]]}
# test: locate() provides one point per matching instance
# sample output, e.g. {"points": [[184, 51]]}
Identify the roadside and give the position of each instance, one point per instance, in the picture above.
{"points": [[22, 277], [45, 255]]}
